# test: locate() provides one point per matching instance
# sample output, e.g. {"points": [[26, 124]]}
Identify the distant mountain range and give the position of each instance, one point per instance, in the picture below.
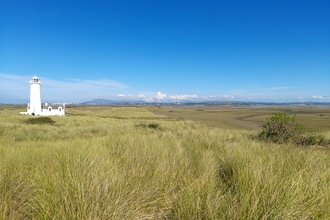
{"points": [[193, 102]]}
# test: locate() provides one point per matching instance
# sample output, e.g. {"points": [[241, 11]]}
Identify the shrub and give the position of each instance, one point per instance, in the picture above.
{"points": [[152, 125], [281, 128], [314, 139]]}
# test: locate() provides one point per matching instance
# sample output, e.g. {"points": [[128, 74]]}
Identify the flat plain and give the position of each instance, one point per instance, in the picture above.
{"points": [[312, 118]]}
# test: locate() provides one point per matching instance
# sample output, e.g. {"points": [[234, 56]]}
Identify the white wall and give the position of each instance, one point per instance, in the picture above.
{"points": [[46, 112]]}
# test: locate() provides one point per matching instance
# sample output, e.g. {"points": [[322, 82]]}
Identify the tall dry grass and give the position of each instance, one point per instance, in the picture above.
{"points": [[99, 164]]}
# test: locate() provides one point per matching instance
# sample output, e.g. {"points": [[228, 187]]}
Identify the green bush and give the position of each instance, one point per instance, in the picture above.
{"points": [[152, 125], [314, 139], [281, 128]]}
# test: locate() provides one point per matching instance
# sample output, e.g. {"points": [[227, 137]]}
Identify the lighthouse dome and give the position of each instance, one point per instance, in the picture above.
{"points": [[35, 79]]}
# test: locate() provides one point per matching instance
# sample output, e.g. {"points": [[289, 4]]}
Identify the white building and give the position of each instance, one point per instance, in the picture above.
{"points": [[35, 107]]}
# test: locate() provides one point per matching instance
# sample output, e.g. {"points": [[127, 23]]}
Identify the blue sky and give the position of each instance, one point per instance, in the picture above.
{"points": [[164, 50]]}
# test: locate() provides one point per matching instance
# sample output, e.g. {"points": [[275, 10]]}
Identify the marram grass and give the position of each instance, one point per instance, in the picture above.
{"points": [[113, 166]]}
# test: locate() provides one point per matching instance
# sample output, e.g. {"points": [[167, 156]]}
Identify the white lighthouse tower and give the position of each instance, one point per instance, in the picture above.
{"points": [[35, 96], [35, 107]]}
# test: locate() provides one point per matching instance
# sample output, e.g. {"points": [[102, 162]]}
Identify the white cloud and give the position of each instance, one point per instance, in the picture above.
{"points": [[159, 95], [104, 83], [123, 95], [16, 88], [15, 77], [141, 96], [182, 97], [321, 97], [226, 97]]}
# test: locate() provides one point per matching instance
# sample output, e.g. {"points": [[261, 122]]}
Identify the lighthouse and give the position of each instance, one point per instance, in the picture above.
{"points": [[35, 107], [35, 96]]}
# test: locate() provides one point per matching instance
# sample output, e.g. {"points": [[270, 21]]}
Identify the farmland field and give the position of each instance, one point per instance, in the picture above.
{"points": [[107, 162]]}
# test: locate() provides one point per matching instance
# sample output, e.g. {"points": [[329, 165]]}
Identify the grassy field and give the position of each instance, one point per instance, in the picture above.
{"points": [[128, 163], [314, 119]]}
